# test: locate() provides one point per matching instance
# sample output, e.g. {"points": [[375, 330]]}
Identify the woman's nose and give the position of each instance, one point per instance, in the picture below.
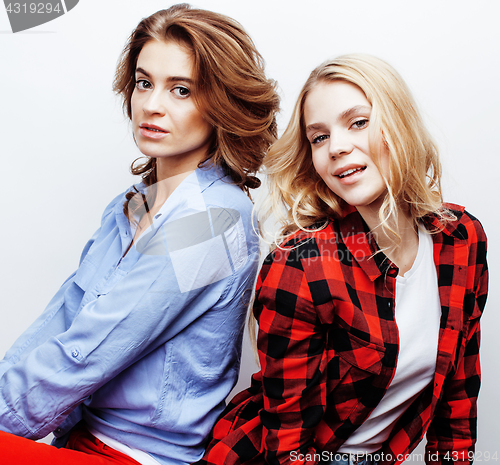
{"points": [[154, 104], [340, 144]]}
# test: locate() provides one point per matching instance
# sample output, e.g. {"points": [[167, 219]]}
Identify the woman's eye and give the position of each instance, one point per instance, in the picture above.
{"points": [[318, 139], [142, 84], [181, 91], [360, 124]]}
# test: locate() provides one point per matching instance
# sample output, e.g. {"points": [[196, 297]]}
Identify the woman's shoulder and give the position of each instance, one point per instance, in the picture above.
{"points": [[219, 191], [461, 224], [114, 208], [120, 199], [219, 188]]}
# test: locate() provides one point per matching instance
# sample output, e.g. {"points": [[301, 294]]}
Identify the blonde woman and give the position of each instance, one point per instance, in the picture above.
{"points": [[133, 358], [369, 309]]}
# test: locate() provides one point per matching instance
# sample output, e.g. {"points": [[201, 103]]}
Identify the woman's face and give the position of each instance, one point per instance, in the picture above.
{"points": [[166, 123], [337, 115]]}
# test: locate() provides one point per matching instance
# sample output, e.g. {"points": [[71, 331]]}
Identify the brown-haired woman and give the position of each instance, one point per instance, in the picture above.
{"points": [[133, 358]]}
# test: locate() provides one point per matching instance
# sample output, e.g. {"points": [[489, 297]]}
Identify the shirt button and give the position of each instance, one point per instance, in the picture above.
{"points": [[157, 216], [75, 353]]}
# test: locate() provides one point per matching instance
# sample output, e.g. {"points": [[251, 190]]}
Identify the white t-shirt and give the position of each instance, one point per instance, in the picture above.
{"points": [[417, 313]]}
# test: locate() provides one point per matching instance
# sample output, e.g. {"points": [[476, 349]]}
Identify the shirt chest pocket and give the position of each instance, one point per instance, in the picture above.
{"points": [[353, 365], [96, 281]]}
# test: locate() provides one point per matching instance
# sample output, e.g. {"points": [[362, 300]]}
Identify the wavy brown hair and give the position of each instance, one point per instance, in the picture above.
{"points": [[231, 89]]}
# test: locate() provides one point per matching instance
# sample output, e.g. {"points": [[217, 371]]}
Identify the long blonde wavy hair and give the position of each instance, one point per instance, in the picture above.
{"points": [[299, 199]]}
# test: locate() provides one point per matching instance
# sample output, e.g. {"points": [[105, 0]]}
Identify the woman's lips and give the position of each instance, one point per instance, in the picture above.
{"points": [[349, 174], [152, 131]]}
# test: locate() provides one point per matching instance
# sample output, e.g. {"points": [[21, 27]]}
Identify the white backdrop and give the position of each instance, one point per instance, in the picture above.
{"points": [[65, 145]]}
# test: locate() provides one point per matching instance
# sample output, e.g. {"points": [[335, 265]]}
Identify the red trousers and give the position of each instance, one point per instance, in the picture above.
{"points": [[82, 449]]}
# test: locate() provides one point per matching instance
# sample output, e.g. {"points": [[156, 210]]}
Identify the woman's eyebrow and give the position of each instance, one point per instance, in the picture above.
{"points": [[313, 127], [343, 116], [180, 78], [142, 71], [354, 110], [170, 78]]}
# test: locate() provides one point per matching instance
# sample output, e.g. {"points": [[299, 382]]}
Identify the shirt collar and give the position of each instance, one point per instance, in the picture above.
{"points": [[361, 244], [203, 177], [207, 174], [186, 199]]}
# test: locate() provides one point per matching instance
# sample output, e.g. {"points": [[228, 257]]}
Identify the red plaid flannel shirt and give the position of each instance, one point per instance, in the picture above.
{"points": [[328, 347]]}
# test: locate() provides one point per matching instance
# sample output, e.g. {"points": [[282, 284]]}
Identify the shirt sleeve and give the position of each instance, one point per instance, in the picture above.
{"points": [[452, 434], [50, 322], [292, 357], [134, 312]]}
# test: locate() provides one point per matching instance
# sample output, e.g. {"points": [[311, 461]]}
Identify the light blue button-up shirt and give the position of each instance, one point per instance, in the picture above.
{"points": [[144, 348]]}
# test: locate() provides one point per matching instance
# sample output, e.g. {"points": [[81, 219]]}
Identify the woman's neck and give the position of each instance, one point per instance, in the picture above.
{"points": [[165, 187], [163, 190], [171, 171], [403, 254]]}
